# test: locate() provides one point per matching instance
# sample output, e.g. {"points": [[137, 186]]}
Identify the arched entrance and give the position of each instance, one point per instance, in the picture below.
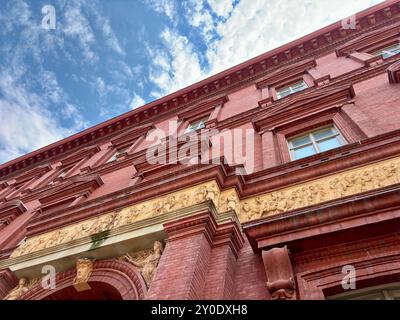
{"points": [[109, 280]]}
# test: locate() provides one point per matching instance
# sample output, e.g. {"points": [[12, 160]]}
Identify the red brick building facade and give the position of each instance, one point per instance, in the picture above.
{"points": [[318, 210]]}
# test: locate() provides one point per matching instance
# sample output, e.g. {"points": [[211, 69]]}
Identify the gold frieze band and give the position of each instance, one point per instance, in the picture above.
{"points": [[336, 186]]}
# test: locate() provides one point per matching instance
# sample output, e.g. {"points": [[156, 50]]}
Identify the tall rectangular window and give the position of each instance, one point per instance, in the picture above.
{"points": [[315, 142], [290, 89]]}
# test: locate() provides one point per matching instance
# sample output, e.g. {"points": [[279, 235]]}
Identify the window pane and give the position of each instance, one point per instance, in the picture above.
{"points": [[328, 144], [300, 141], [283, 92], [323, 133], [304, 152], [196, 125], [388, 51], [294, 87]]}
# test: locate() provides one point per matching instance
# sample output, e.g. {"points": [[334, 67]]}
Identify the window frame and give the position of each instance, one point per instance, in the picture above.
{"points": [[380, 52], [387, 291], [115, 155], [314, 142], [289, 86], [190, 129]]}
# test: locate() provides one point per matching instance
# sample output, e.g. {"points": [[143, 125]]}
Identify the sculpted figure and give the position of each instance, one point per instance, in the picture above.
{"points": [[40, 243], [14, 294], [337, 187], [297, 199], [366, 182], [24, 248], [379, 177], [57, 238], [183, 200], [103, 223], [306, 195], [390, 171], [169, 203], [212, 194], [200, 194], [144, 211], [83, 229], [148, 265], [133, 214], [262, 206], [250, 212], [158, 208], [281, 202], [122, 218], [231, 202], [84, 268]]}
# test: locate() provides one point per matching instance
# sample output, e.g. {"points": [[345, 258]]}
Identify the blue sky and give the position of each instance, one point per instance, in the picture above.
{"points": [[106, 57]]}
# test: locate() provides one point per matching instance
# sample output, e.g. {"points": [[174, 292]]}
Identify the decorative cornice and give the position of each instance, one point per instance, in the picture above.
{"points": [[198, 110], [369, 39], [315, 43], [300, 106], [11, 209], [286, 73]]}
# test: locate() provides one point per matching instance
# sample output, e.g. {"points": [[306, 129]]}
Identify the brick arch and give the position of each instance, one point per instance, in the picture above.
{"points": [[123, 277]]}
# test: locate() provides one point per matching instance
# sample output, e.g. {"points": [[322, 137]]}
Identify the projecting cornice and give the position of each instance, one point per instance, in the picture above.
{"points": [[394, 72], [314, 44], [300, 106]]}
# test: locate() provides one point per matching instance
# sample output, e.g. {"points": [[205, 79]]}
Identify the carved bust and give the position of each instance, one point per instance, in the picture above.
{"points": [[84, 269]]}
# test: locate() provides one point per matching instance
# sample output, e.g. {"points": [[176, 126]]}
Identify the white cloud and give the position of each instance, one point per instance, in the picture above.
{"points": [[235, 31], [176, 66], [136, 101], [221, 8], [25, 122], [166, 7], [75, 25], [256, 26]]}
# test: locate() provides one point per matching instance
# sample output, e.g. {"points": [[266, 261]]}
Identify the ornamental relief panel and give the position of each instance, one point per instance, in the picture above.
{"points": [[351, 182], [325, 189], [141, 211]]}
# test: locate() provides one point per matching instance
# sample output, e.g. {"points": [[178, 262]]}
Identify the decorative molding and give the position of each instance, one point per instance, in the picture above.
{"points": [[138, 212], [370, 40], [286, 73], [336, 186], [11, 209], [394, 72], [79, 155], [146, 260], [359, 180], [315, 44], [303, 105], [118, 274]]}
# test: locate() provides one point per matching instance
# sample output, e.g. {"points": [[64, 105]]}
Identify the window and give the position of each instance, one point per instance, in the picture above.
{"points": [[196, 125], [290, 89], [387, 292], [116, 154], [388, 52], [315, 142]]}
